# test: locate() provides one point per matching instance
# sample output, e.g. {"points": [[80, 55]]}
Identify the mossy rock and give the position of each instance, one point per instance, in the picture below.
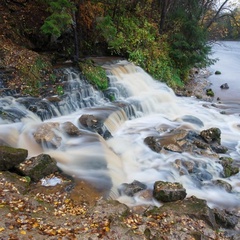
{"points": [[218, 72], [228, 168], [10, 157], [210, 92], [38, 167], [168, 192]]}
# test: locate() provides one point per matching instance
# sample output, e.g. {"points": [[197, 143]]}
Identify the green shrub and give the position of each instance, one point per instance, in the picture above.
{"points": [[139, 41], [96, 75], [60, 19]]}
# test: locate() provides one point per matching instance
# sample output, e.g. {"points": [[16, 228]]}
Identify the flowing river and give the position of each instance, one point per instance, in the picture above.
{"points": [[143, 107]]}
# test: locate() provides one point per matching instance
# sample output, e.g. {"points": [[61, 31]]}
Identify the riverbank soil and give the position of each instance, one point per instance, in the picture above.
{"points": [[197, 85], [77, 211]]}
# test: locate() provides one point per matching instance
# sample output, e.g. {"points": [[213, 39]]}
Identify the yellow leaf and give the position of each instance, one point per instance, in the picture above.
{"points": [[67, 200], [107, 229], [35, 225], [2, 229], [23, 232]]}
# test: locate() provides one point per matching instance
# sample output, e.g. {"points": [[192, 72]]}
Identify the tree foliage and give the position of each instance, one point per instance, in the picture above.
{"points": [[60, 19], [165, 37]]}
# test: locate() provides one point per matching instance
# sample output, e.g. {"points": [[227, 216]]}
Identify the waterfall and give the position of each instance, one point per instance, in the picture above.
{"points": [[142, 107]]}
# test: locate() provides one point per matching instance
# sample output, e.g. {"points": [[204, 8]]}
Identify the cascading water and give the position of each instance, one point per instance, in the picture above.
{"points": [[143, 107]]}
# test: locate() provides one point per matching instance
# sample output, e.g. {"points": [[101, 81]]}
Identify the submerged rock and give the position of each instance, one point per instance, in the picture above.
{"points": [[224, 86], [225, 219], [70, 129], [46, 135], [211, 135], [95, 124], [222, 184], [153, 143], [130, 189]]}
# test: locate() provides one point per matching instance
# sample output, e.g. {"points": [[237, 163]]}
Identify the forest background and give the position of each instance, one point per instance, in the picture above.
{"points": [[167, 38]]}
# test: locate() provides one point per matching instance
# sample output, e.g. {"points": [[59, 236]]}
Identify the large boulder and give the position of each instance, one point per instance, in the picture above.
{"points": [[168, 192], [192, 207], [38, 167], [10, 157]]}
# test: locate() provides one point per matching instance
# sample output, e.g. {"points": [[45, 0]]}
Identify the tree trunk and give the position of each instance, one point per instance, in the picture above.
{"points": [[216, 15]]}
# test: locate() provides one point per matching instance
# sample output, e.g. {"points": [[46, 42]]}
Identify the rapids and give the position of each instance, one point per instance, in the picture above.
{"points": [[151, 107]]}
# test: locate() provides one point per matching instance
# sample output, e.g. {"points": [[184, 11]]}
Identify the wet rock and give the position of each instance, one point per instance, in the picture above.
{"points": [[146, 195], [189, 165], [130, 189], [228, 168], [90, 121], [95, 124], [179, 166], [175, 141], [219, 148], [173, 148], [222, 184], [224, 86], [211, 135], [192, 207], [168, 192], [12, 114], [10, 157], [46, 135], [181, 140], [153, 143], [70, 129], [225, 219], [38, 167], [202, 174], [185, 167], [201, 144]]}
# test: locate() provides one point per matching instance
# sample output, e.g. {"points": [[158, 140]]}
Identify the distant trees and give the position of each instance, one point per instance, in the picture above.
{"points": [[182, 21], [165, 37], [227, 24]]}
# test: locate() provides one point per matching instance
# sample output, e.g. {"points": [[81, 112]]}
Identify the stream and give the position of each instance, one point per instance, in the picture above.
{"points": [[142, 107]]}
